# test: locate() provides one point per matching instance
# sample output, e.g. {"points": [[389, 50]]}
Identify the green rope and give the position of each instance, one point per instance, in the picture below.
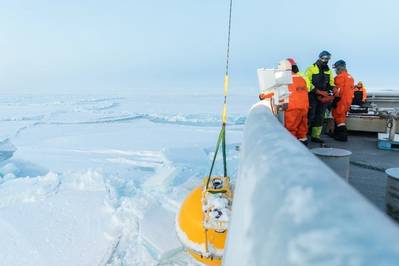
{"points": [[224, 151], [220, 139]]}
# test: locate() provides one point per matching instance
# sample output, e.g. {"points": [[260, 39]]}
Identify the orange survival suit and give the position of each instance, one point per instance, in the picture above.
{"points": [[344, 84], [359, 94], [296, 115]]}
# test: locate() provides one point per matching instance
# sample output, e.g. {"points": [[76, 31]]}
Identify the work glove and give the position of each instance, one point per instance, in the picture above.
{"points": [[322, 93], [324, 96], [335, 102], [325, 100], [336, 91], [263, 96]]}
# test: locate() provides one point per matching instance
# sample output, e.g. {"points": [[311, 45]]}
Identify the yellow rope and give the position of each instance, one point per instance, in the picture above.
{"points": [[226, 89]]}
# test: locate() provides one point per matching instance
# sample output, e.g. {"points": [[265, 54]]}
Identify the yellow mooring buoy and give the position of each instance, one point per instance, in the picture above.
{"points": [[203, 218]]}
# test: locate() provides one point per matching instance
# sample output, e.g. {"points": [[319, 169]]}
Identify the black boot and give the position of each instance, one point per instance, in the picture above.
{"points": [[317, 140], [304, 142], [331, 133], [341, 133]]}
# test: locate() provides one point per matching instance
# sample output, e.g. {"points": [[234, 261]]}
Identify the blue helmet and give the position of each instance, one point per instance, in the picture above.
{"points": [[324, 54], [339, 64]]}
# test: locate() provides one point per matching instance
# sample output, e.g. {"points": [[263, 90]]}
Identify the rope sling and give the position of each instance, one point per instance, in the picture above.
{"points": [[222, 135]]}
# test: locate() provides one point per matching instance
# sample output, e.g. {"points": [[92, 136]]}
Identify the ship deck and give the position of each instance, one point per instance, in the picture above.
{"points": [[367, 164]]}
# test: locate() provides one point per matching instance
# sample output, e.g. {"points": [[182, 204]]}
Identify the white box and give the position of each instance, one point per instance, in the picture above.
{"points": [[283, 78], [266, 78], [275, 81], [272, 78]]}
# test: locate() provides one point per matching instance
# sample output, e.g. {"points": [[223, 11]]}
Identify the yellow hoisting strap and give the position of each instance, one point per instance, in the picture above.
{"points": [[226, 89], [226, 85]]}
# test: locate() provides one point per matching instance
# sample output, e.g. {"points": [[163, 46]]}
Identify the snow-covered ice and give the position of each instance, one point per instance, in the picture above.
{"points": [[6, 150], [97, 180]]}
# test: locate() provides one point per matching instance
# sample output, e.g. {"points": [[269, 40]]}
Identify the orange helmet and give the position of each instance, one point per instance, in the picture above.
{"points": [[294, 66]]}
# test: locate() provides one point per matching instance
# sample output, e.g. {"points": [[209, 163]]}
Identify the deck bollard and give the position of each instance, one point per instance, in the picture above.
{"points": [[336, 159], [392, 193]]}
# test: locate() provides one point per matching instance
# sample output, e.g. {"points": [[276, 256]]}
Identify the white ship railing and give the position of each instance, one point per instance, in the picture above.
{"points": [[290, 209], [384, 99]]}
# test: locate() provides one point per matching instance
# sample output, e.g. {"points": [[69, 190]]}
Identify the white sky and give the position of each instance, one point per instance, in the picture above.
{"points": [[108, 46]]}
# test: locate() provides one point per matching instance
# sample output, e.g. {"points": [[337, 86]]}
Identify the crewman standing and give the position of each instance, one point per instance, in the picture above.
{"points": [[321, 84], [360, 94], [343, 99], [296, 115]]}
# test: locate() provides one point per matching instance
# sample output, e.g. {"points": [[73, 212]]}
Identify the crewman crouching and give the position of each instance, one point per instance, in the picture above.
{"points": [[360, 94]]}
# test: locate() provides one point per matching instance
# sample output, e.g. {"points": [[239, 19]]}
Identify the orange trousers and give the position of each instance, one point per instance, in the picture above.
{"points": [[296, 122], [339, 112]]}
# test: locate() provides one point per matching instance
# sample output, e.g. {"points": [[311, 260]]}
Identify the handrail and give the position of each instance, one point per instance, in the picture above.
{"points": [[291, 209]]}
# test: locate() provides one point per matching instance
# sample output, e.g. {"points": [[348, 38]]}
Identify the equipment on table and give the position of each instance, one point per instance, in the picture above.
{"points": [[389, 140]]}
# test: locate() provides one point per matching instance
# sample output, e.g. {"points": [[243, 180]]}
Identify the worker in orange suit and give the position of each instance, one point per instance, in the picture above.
{"points": [[359, 94], [296, 115], [343, 99]]}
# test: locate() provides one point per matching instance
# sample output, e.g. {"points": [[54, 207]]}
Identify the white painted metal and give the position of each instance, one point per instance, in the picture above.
{"points": [[392, 129], [336, 159], [275, 81], [290, 209], [384, 99]]}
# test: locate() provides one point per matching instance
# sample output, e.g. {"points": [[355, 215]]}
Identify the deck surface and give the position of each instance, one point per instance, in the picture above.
{"points": [[367, 164]]}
